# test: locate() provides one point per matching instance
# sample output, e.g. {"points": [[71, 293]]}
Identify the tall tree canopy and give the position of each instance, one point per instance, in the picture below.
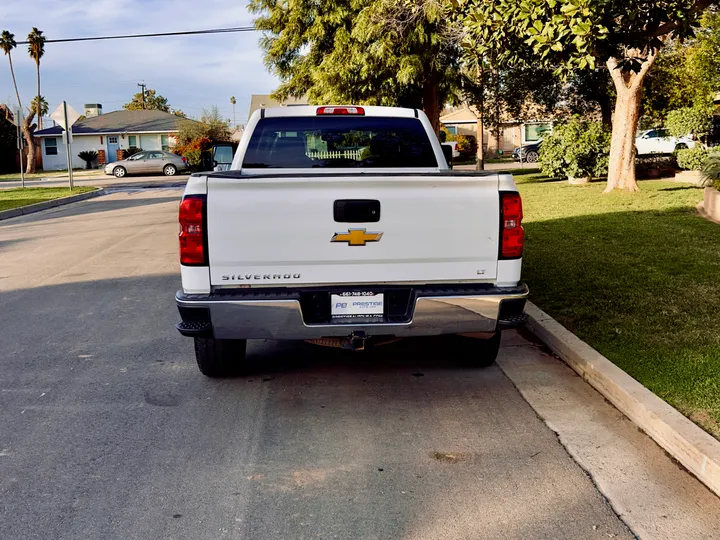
{"points": [[380, 52], [624, 35], [153, 101]]}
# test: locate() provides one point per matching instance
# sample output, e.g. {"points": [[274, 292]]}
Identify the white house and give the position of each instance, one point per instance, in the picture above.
{"points": [[108, 133]]}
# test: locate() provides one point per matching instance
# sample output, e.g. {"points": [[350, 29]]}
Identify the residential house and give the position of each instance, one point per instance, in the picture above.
{"points": [[511, 133], [262, 101], [108, 134]]}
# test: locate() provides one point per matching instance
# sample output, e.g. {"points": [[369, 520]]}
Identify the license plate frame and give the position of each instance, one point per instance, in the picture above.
{"points": [[350, 305]]}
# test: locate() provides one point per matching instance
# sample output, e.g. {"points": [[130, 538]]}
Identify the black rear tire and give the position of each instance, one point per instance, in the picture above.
{"points": [[474, 352], [532, 156], [220, 357]]}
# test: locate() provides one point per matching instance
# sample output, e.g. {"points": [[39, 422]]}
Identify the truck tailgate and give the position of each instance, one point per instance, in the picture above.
{"points": [[277, 230]]}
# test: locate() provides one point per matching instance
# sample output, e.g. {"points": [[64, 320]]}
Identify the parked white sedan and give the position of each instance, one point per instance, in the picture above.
{"points": [[659, 141]]}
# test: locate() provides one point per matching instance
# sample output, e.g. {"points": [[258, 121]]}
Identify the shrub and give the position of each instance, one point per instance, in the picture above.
{"points": [[711, 171], [194, 151], [692, 159], [689, 120], [467, 146], [88, 156], [132, 150], [577, 149]]}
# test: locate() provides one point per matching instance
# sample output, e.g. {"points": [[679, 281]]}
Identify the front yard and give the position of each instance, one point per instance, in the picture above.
{"points": [[15, 177], [14, 198], [637, 276]]}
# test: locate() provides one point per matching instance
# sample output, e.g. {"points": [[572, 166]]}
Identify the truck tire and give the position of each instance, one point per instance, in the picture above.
{"points": [[220, 357], [476, 353]]}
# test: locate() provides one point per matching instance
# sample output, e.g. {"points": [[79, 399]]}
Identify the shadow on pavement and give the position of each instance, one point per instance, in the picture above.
{"points": [[94, 206]]}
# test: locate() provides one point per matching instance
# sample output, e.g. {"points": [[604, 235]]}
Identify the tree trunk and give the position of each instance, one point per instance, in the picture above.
{"points": [[27, 130], [39, 105], [431, 104], [628, 85], [621, 171], [12, 72], [480, 164]]}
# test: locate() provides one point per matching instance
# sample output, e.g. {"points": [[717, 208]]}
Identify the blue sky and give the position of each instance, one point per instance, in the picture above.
{"points": [[192, 72]]}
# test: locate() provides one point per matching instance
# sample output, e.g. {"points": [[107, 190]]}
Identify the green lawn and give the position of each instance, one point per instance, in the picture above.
{"points": [[13, 198], [637, 276], [15, 177]]}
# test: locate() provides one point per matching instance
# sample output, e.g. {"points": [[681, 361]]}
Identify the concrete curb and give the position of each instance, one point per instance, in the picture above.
{"points": [[695, 449], [38, 207]]}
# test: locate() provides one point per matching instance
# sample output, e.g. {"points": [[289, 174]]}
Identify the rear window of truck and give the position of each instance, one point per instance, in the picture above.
{"points": [[338, 141]]}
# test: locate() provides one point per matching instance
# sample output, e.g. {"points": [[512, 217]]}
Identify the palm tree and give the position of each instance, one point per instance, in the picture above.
{"points": [[43, 110], [233, 101], [7, 44], [36, 48]]}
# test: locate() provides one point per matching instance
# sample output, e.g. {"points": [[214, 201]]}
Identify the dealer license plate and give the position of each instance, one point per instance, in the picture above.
{"points": [[357, 304]]}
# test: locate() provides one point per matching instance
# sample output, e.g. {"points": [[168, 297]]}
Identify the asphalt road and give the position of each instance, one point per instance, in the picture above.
{"points": [[107, 429]]}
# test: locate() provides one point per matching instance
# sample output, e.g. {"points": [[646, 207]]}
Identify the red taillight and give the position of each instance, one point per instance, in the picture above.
{"points": [[184, 160], [340, 110], [513, 235], [192, 233]]}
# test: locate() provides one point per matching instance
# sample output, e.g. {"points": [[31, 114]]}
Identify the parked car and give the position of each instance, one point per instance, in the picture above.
{"points": [[455, 151], [341, 247], [659, 141], [148, 162], [528, 152]]}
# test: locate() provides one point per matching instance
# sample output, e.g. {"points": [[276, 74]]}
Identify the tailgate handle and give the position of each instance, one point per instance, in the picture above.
{"points": [[356, 211]]}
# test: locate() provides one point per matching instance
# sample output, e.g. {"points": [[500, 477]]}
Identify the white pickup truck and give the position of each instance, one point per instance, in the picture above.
{"points": [[343, 225]]}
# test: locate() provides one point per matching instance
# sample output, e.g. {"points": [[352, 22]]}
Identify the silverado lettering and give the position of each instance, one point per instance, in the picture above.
{"points": [[248, 277]]}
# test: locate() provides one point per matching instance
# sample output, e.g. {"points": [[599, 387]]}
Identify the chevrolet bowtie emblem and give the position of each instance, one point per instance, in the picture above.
{"points": [[357, 237]]}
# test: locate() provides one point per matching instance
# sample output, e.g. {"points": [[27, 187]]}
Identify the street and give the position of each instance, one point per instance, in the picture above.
{"points": [[108, 430]]}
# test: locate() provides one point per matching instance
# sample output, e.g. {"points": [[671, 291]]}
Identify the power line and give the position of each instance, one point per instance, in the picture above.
{"points": [[159, 34]]}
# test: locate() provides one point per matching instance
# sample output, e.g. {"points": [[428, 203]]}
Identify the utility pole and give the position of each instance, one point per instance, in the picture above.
{"points": [[143, 85], [480, 165]]}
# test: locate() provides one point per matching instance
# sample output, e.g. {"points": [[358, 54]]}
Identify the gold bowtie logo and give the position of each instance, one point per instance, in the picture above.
{"points": [[357, 237]]}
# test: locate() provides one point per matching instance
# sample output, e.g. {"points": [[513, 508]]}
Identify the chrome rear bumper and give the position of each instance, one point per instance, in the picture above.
{"points": [[256, 314]]}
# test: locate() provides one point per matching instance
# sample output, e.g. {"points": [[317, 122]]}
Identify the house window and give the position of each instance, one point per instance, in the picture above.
{"points": [[132, 141], [165, 142], [51, 146], [451, 129], [536, 131], [112, 140]]}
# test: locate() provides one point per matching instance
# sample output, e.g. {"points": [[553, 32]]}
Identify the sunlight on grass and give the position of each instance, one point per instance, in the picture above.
{"points": [[637, 276], [14, 198]]}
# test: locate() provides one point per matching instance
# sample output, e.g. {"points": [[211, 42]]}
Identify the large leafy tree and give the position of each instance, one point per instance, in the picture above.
{"points": [[685, 74], [380, 52], [150, 101], [623, 35]]}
